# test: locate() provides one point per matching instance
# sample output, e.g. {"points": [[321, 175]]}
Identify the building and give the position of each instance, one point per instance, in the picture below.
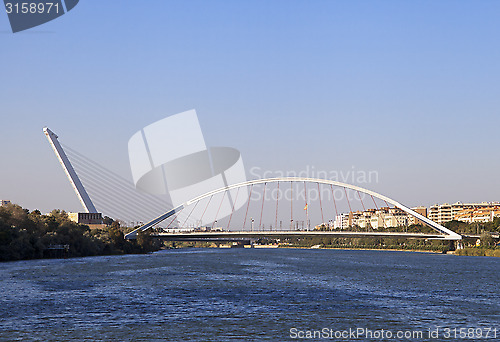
{"points": [[478, 215], [442, 213], [338, 223], [394, 217], [377, 221], [4, 202], [448, 212], [386, 217], [93, 220], [420, 210], [373, 218]]}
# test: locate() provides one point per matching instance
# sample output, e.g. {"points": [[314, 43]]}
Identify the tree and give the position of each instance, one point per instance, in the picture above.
{"points": [[487, 240], [116, 235], [108, 221], [25, 235]]}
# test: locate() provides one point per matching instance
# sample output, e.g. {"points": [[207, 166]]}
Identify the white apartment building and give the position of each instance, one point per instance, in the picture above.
{"points": [[478, 215], [372, 218], [458, 211]]}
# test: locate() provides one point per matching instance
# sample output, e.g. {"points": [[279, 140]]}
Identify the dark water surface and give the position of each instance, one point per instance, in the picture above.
{"points": [[249, 294]]}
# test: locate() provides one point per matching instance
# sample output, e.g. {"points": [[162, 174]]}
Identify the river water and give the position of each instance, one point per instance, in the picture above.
{"points": [[252, 294]]}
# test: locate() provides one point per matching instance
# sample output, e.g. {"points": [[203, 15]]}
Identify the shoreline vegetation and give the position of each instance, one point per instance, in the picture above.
{"points": [[373, 249], [30, 235], [432, 248], [469, 251], [489, 252], [487, 243]]}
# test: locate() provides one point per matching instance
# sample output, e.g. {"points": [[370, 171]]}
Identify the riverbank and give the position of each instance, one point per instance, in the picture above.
{"points": [[339, 248], [371, 249], [460, 252], [478, 252]]}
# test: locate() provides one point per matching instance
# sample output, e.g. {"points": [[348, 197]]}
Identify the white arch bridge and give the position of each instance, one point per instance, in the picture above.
{"points": [[441, 232]]}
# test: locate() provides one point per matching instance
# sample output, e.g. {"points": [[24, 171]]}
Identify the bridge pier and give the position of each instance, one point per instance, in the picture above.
{"points": [[242, 244]]}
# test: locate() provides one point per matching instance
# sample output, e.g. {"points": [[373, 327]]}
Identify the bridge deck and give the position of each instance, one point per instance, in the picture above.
{"points": [[284, 234]]}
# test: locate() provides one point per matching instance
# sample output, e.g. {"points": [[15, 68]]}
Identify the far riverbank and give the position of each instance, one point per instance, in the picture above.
{"points": [[461, 252], [372, 249]]}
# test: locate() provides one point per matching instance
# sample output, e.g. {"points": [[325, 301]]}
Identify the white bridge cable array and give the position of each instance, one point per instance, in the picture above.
{"points": [[118, 198], [114, 195], [446, 233]]}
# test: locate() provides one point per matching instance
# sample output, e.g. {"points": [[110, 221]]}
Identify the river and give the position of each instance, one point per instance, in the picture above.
{"points": [[252, 294]]}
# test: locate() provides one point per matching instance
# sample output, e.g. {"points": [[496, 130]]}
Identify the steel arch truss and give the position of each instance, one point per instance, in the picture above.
{"points": [[447, 234]]}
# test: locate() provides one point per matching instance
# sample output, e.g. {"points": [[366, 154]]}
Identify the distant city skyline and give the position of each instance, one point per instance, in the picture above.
{"points": [[406, 90]]}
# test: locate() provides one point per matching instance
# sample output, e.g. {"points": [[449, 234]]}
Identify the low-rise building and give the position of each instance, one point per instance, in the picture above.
{"points": [[419, 210], [372, 218], [341, 221], [4, 202], [93, 220]]}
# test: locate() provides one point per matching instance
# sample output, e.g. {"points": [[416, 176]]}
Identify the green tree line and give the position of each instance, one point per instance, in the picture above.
{"points": [[369, 242], [31, 235], [476, 228]]}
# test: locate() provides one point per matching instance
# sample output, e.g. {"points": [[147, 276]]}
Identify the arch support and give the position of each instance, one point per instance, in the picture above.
{"points": [[446, 233]]}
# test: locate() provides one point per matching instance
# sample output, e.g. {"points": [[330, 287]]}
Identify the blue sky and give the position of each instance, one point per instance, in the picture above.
{"points": [[408, 89]]}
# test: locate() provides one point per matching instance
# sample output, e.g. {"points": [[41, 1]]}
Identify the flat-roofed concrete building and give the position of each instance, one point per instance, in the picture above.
{"points": [[420, 210], [93, 220]]}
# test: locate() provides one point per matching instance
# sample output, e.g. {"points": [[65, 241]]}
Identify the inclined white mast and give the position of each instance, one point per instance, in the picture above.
{"points": [[84, 198]]}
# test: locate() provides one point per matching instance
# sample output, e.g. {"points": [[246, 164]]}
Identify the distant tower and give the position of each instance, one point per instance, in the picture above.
{"points": [[84, 198]]}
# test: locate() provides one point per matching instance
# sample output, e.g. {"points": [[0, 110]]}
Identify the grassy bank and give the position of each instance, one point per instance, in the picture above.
{"points": [[490, 252], [436, 251]]}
